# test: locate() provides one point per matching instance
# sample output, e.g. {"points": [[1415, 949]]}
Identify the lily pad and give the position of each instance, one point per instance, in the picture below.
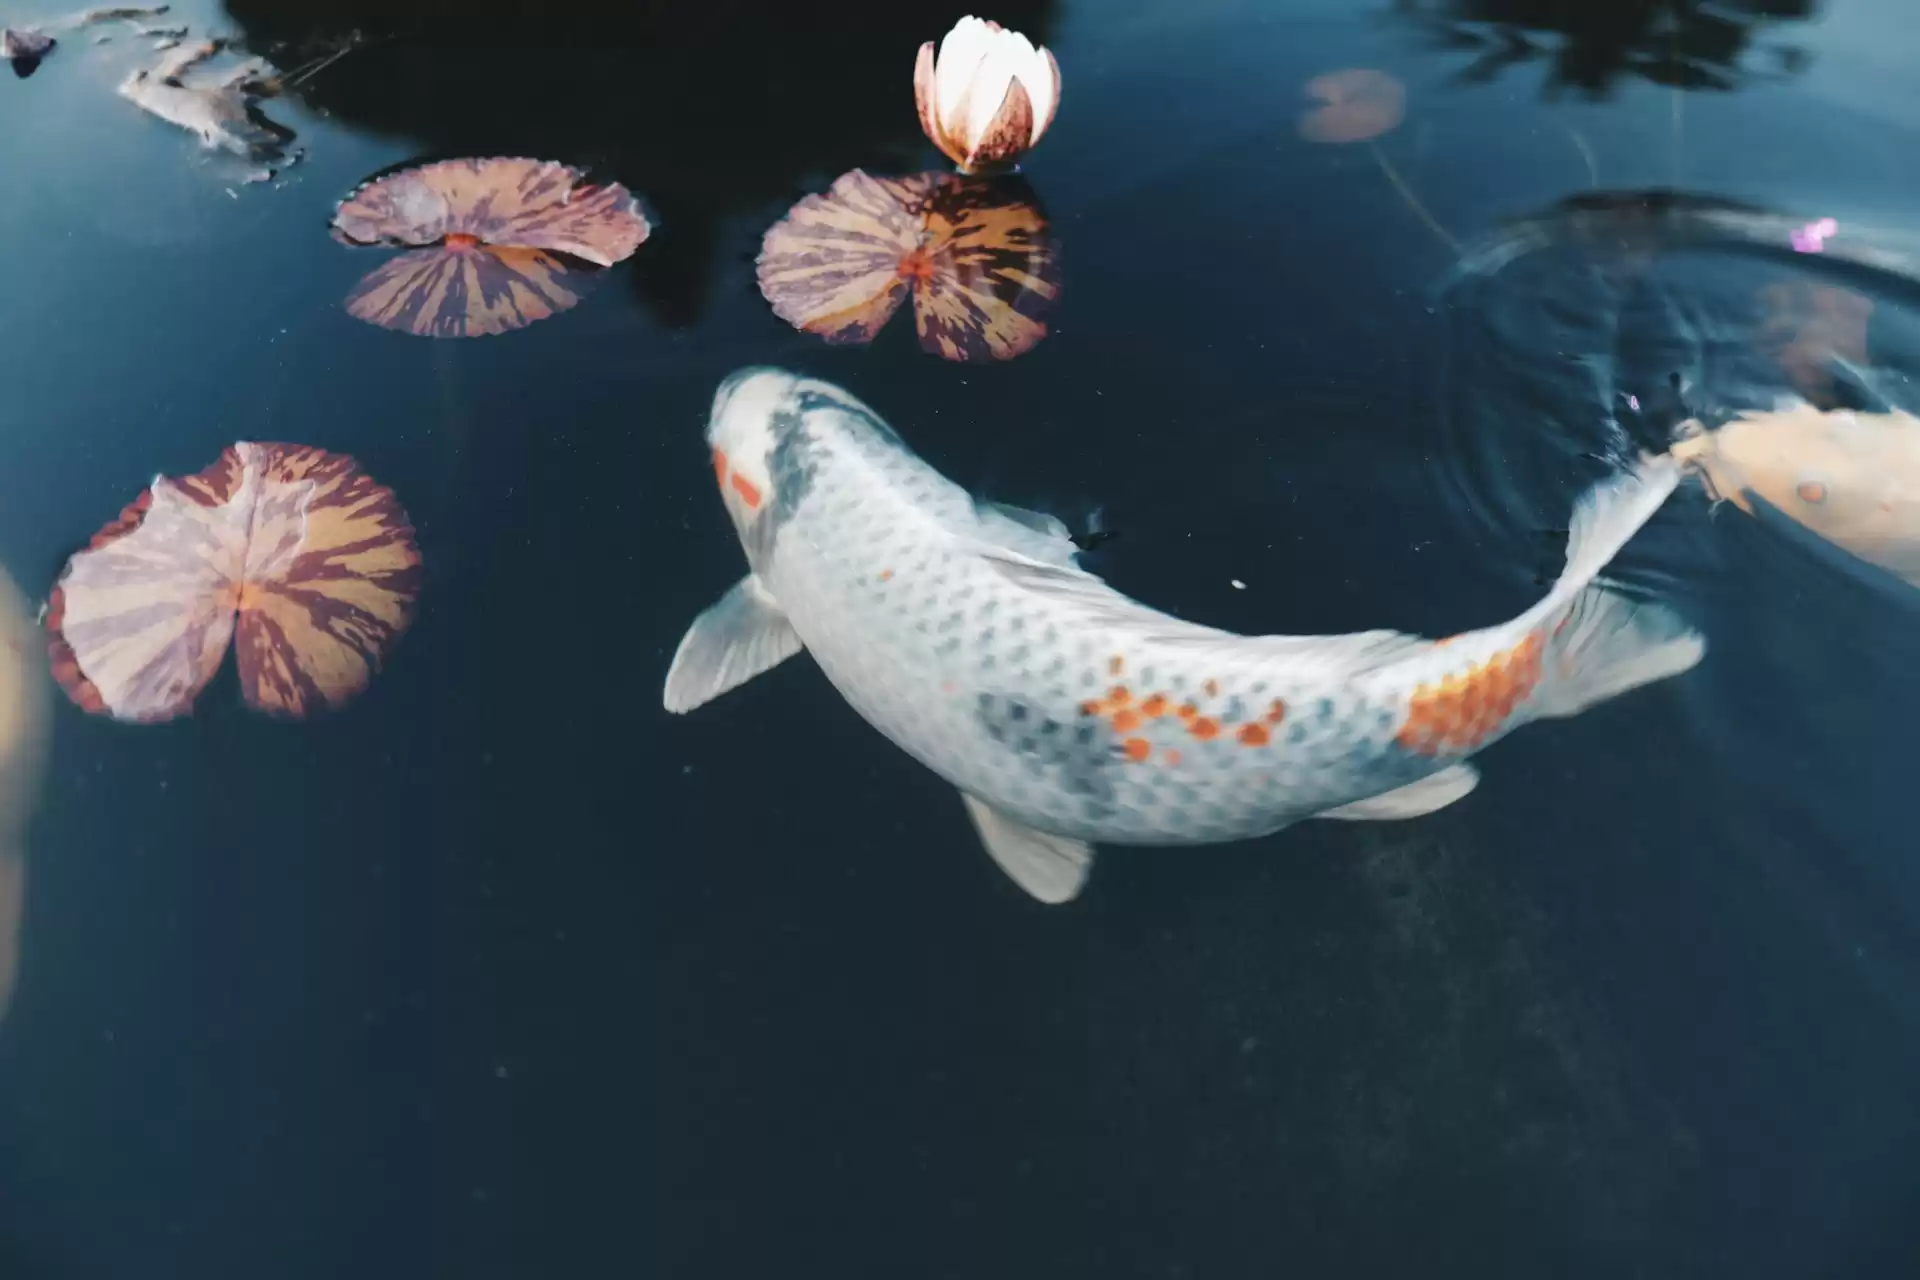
{"points": [[973, 252], [292, 554], [466, 290], [1356, 105], [493, 239]]}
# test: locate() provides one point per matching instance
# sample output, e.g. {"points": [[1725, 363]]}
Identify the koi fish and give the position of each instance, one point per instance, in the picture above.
{"points": [[25, 721], [1068, 714], [1851, 477]]}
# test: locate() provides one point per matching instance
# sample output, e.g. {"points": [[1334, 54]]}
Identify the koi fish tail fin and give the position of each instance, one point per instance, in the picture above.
{"points": [[1600, 642], [1607, 643]]}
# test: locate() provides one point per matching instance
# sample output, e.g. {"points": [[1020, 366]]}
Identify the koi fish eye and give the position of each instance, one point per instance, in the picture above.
{"points": [[1811, 492]]}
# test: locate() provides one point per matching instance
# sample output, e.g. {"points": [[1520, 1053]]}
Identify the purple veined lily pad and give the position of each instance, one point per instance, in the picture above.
{"points": [[494, 239]]}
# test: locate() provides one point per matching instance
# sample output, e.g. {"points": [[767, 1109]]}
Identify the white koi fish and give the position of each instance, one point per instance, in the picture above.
{"points": [[1068, 714]]}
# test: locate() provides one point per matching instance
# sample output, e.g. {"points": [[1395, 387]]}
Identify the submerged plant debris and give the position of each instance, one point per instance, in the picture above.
{"points": [[218, 107], [974, 252], [291, 553], [508, 241]]}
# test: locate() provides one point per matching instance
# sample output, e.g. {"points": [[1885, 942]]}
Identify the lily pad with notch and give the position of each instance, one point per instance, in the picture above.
{"points": [[291, 554]]}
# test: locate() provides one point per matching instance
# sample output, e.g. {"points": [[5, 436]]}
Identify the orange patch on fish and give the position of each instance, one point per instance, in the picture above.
{"points": [[749, 492], [1187, 711], [1137, 749], [1276, 711], [1126, 720], [1253, 735], [1116, 664], [461, 240], [720, 466], [1204, 728], [1154, 707], [1464, 710], [886, 575], [1211, 688], [1119, 696]]}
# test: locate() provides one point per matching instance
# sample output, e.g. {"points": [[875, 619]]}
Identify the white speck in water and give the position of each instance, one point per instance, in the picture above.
{"points": [[1237, 584]]}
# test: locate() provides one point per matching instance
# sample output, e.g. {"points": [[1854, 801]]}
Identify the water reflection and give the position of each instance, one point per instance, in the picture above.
{"points": [[811, 94], [1682, 44], [1807, 326], [975, 253]]}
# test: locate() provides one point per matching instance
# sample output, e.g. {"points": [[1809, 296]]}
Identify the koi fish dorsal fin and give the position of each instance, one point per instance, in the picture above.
{"points": [[1033, 534], [1050, 868], [739, 636], [1098, 604]]}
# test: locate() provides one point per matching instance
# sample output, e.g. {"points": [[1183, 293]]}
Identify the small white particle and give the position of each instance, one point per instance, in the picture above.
{"points": [[1237, 584]]}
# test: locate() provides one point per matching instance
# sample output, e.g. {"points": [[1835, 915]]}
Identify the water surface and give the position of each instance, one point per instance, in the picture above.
{"points": [[505, 972]]}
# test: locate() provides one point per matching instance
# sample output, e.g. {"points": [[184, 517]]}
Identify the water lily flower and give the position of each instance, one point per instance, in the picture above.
{"points": [[988, 96]]}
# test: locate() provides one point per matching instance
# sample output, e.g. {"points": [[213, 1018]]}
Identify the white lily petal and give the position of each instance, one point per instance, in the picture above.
{"points": [[991, 82], [954, 66], [1038, 78]]}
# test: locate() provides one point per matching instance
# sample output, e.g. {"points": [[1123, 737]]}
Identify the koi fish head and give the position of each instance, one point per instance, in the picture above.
{"points": [[751, 410], [1845, 475]]}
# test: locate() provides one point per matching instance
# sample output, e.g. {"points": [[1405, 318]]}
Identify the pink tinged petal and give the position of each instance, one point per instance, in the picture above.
{"points": [[1010, 132], [988, 92], [923, 100], [1046, 103], [962, 54]]}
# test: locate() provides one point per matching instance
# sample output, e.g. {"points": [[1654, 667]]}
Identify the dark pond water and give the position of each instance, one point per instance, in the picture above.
{"points": [[503, 971]]}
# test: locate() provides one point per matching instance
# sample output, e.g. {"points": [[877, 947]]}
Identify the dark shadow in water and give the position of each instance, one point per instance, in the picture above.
{"points": [[711, 124], [1683, 44]]}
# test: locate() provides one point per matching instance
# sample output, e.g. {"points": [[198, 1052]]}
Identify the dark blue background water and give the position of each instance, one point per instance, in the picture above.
{"points": [[506, 973]]}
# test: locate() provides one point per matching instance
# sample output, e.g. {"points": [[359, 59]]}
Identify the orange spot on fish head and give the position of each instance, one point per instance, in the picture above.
{"points": [[1253, 735], [720, 466], [886, 575], [1187, 711], [1119, 696], [1126, 720], [1211, 688], [1276, 711], [1204, 728], [461, 240], [1137, 749], [1155, 706], [749, 491]]}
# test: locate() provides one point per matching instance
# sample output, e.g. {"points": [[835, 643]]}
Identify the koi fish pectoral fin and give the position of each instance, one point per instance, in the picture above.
{"points": [[1435, 791], [741, 635], [1050, 868]]}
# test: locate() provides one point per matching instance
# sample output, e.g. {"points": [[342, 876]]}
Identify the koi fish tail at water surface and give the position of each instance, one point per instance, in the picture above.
{"points": [[1068, 714]]}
